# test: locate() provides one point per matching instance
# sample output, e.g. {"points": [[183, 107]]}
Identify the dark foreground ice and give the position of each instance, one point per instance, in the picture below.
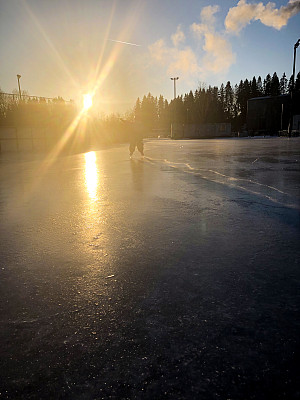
{"points": [[172, 277]]}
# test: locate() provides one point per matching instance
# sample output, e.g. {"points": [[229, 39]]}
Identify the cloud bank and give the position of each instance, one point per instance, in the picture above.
{"points": [[178, 37], [216, 51], [241, 15], [175, 59], [213, 52], [218, 56]]}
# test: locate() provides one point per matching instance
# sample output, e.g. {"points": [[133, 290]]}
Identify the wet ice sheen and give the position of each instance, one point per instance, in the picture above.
{"points": [[174, 274]]}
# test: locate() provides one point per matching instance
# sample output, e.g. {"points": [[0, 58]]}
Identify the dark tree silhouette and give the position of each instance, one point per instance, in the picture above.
{"points": [[222, 96], [228, 107], [254, 88], [260, 88], [267, 85], [290, 84], [297, 83], [212, 104], [275, 85], [283, 84], [137, 109], [205, 105]]}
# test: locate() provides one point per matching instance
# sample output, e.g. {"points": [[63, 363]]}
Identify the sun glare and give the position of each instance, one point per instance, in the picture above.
{"points": [[91, 174], [87, 101]]}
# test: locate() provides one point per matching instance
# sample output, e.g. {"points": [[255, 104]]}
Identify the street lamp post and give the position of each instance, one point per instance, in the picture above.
{"points": [[294, 63], [19, 76], [174, 80], [296, 45]]}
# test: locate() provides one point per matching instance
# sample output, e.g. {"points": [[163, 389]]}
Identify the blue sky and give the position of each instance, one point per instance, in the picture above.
{"points": [[65, 48]]}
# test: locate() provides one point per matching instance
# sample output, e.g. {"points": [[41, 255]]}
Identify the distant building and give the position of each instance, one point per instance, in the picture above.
{"points": [[296, 123], [270, 114], [201, 131]]}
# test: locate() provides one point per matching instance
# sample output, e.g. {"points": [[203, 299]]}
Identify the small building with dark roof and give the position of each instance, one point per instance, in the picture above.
{"points": [[268, 115]]}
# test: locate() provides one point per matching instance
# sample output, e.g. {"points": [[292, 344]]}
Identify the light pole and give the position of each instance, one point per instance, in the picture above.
{"points": [[174, 79], [296, 45], [294, 63], [172, 130], [19, 76]]}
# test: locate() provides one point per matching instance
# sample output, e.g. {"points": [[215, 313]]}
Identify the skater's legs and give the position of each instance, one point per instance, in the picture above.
{"points": [[131, 148], [140, 147]]}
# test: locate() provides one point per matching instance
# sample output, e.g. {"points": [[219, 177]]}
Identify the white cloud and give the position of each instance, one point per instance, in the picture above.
{"points": [[178, 37], [207, 15], [216, 55], [241, 15], [207, 19], [175, 60], [184, 61], [160, 52]]}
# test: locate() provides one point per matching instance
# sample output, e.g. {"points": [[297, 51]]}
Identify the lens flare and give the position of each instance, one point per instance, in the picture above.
{"points": [[87, 101]]}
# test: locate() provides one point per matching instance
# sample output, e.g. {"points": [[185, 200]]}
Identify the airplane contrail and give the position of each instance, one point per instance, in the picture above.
{"points": [[119, 41]]}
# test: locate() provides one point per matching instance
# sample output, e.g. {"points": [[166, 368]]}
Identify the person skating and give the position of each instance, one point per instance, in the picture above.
{"points": [[135, 137]]}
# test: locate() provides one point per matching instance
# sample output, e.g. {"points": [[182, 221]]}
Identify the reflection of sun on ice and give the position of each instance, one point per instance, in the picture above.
{"points": [[91, 174], [87, 101]]}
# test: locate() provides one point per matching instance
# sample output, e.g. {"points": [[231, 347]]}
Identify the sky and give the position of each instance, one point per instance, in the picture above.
{"points": [[69, 48]]}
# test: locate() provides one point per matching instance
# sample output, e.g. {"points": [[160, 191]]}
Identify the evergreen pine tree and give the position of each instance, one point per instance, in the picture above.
{"points": [[199, 108], [189, 102], [254, 88], [297, 83], [161, 112], [267, 85], [260, 88], [290, 84], [137, 109], [283, 84], [222, 96], [229, 102], [275, 85]]}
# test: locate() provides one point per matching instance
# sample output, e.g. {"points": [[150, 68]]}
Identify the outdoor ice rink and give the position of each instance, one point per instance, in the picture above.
{"points": [[175, 276]]}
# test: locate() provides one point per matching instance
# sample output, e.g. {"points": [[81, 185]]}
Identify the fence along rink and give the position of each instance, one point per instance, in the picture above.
{"points": [[32, 123]]}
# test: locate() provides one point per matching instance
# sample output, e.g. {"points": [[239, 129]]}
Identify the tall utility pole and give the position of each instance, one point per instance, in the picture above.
{"points": [[19, 76], [174, 79], [294, 63], [173, 133], [296, 45]]}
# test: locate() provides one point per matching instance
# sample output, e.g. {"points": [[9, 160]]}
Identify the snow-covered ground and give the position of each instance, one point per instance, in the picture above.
{"points": [[173, 276]]}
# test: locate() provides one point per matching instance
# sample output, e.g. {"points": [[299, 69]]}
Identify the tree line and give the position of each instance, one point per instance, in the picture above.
{"points": [[52, 118], [211, 104], [207, 104], [32, 111]]}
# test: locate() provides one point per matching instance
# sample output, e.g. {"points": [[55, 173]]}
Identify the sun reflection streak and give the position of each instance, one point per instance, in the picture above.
{"points": [[49, 42], [64, 139], [76, 130], [102, 74], [106, 36], [78, 122], [91, 174]]}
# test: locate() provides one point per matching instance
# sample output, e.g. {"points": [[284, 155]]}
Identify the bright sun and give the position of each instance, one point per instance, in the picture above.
{"points": [[87, 101]]}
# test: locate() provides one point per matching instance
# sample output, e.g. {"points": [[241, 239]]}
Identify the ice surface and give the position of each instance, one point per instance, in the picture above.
{"points": [[203, 237]]}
